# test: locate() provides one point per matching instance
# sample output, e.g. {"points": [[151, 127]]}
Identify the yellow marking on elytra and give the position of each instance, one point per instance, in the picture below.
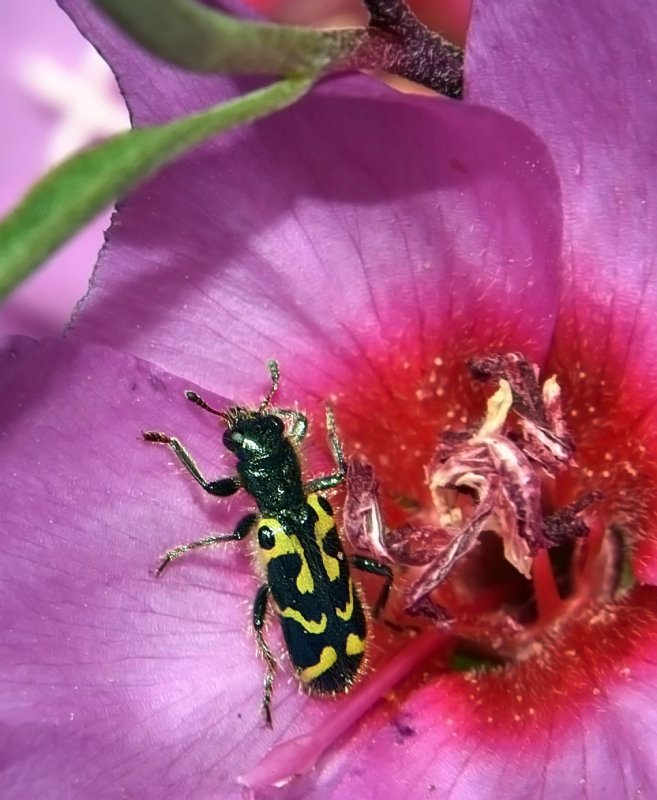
{"points": [[288, 544], [308, 624], [326, 661], [355, 645], [325, 523], [349, 608]]}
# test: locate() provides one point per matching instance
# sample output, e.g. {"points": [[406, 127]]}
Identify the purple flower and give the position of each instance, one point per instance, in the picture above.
{"points": [[373, 243]]}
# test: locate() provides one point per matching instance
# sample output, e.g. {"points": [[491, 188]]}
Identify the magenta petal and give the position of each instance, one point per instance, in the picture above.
{"points": [[258, 246], [360, 215], [113, 682], [582, 77]]}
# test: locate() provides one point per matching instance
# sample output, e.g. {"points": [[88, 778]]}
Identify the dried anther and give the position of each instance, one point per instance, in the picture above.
{"points": [[362, 519], [565, 525], [485, 479], [361, 516], [546, 438]]}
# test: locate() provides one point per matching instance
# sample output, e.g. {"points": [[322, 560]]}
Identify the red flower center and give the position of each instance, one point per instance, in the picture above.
{"points": [[541, 607]]}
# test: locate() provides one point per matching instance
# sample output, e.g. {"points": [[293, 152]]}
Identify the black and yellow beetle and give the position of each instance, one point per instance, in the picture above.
{"points": [[307, 572]]}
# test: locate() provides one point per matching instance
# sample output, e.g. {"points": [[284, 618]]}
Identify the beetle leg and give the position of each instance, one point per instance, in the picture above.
{"points": [[221, 488], [299, 423], [242, 529], [259, 617], [375, 568], [336, 478]]}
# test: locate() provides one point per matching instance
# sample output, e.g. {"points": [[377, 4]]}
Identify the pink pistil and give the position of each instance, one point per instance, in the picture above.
{"points": [[547, 595], [588, 563], [297, 757]]}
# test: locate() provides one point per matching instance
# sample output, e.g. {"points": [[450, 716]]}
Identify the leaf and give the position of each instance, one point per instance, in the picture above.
{"points": [[191, 35], [70, 195]]}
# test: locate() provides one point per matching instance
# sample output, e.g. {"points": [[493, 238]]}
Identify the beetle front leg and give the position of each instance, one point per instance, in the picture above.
{"points": [[335, 478], [220, 488]]}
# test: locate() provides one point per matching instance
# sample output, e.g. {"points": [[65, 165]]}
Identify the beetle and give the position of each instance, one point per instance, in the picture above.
{"points": [[307, 573]]}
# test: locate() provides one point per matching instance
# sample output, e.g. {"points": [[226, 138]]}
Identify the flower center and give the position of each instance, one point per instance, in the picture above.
{"points": [[487, 551]]}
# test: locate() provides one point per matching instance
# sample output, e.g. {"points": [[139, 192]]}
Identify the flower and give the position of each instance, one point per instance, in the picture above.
{"points": [[517, 221]]}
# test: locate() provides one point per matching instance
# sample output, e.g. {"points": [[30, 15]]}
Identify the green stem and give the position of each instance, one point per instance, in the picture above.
{"points": [[82, 186], [191, 35]]}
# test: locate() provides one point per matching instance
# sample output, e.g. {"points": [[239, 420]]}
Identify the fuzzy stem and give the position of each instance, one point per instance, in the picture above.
{"points": [[398, 42]]}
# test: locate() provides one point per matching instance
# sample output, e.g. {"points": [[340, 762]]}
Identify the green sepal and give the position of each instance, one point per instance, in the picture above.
{"points": [[191, 35]]}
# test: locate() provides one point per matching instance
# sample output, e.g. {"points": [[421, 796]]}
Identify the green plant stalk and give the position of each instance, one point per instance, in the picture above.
{"points": [[82, 186], [202, 39]]}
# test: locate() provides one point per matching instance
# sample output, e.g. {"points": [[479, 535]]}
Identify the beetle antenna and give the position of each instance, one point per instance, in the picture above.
{"points": [[272, 366], [199, 401]]}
